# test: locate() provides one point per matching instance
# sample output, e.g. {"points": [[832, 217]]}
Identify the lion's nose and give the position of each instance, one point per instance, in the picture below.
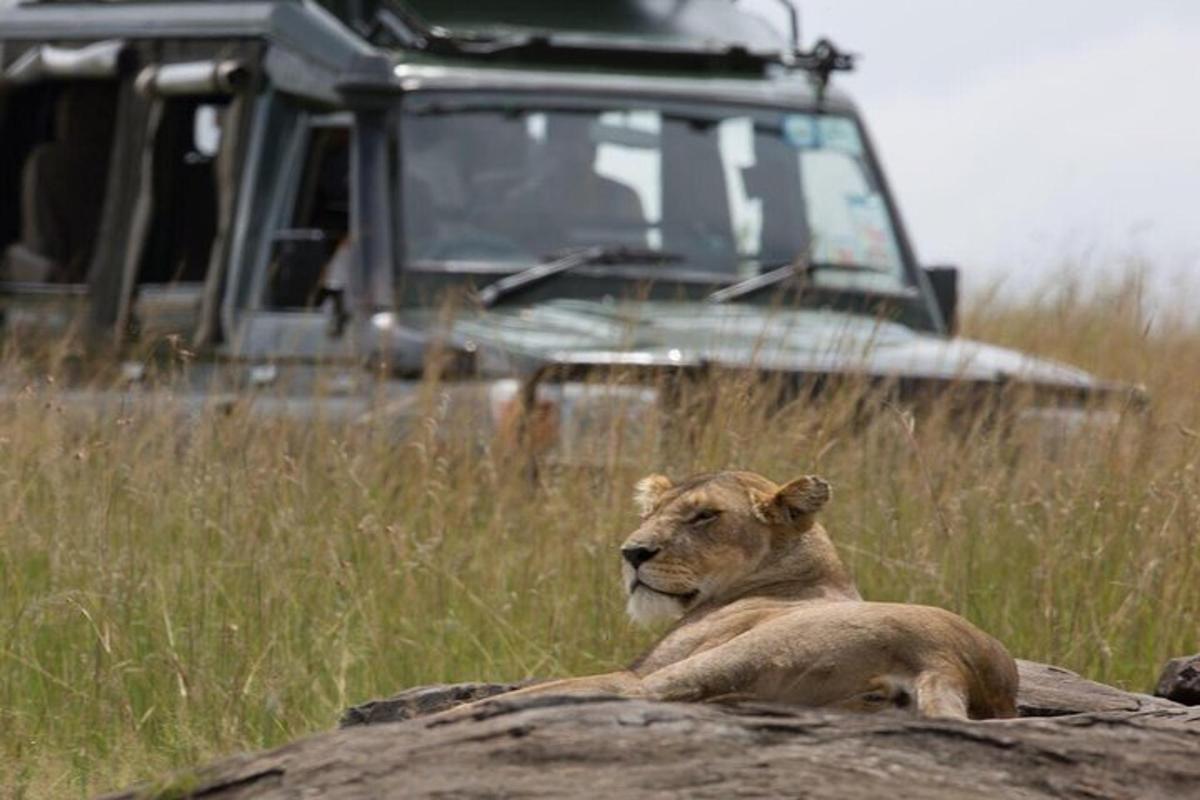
{"points": [[636, 556]]}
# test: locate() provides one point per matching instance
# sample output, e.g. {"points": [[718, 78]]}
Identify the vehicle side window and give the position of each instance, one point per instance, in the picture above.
{"points": [[183, 185], [58, 144], [187, 147], [311, 255]]}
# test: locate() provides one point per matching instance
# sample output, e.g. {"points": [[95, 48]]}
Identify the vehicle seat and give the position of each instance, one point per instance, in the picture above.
{"points": [[62, 190]]}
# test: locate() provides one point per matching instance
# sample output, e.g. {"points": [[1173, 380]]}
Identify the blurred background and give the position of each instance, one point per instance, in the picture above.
{"points": [[1026, 137]]}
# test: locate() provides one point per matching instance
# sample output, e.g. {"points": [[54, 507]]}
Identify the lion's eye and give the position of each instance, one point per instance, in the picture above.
{"points": [[704, 515]]}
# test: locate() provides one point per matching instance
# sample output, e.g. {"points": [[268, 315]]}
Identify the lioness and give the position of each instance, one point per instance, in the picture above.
{"points": [[767, 611]]}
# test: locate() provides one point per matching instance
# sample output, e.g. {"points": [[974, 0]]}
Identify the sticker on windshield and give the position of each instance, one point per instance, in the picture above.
{"points": [[800, 130], [839, 133], [876, 247]]}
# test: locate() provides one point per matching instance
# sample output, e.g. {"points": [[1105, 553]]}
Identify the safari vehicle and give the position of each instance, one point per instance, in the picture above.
{"points": [[292, 190]]}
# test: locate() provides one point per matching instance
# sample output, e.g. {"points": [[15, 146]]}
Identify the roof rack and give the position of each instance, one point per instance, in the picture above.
{"points": [[397, 24]]}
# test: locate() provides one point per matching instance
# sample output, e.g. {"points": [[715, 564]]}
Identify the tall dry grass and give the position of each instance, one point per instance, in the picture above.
{"points": [[171, 592]]}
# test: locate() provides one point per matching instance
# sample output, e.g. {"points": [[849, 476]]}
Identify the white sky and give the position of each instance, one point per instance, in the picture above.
{"points": [[1022, 134]]}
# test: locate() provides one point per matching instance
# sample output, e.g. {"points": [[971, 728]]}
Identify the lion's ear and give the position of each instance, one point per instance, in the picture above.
{"points": [[649, 491], [802, 497]]}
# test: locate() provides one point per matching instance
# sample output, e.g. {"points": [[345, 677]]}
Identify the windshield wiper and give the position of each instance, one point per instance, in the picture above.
{"points": [[801, 268], [495, 292]]}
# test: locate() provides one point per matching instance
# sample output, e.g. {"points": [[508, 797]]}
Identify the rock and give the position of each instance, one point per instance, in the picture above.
{"points": [[422, 701], [608, 747], [1046, 691], [1076, 739], [1180, 681], [1050, 691]]}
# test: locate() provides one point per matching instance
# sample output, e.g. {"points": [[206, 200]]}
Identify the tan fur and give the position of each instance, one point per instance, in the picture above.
{"points": [[765, 610]]}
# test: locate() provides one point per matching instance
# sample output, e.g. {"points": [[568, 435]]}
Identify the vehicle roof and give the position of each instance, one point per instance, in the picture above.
{"points": [[291, 21], [312, 53], [318, 55], [695, 24]]}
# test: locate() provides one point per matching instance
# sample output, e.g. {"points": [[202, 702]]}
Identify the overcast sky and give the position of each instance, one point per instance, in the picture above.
{"points": [[1021, 133]]}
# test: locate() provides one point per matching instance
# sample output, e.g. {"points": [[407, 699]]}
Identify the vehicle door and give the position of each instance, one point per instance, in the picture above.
{"points": [[295, 319]]}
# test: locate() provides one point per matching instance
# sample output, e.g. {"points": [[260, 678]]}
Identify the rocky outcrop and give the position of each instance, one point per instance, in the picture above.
{"points": [[1180, 681], [1049, 691], [422, 701], [1046, 691], [1099, 742]]}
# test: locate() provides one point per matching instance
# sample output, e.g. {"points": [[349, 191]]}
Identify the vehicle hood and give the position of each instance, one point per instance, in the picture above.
{"points": [[585, 332]]}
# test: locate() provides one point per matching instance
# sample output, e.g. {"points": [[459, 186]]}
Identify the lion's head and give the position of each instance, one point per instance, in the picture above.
{"points": [[717, 536]]}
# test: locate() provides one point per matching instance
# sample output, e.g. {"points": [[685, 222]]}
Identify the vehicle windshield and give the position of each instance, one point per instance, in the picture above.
{"points": [[504, 182]]}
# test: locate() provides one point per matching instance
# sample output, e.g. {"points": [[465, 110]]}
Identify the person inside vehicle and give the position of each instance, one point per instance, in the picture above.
{"points": [[565, 202], [456, 177]]}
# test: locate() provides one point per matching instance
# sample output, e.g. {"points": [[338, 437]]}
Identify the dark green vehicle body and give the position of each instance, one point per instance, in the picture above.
{"points": [[267, 185]]}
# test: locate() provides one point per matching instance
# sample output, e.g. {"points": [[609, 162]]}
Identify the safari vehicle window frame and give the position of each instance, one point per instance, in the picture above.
{"points": [[55, 85], [261, 334], [51, 307], [912, 281], [283, 203], [162, 306]]}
